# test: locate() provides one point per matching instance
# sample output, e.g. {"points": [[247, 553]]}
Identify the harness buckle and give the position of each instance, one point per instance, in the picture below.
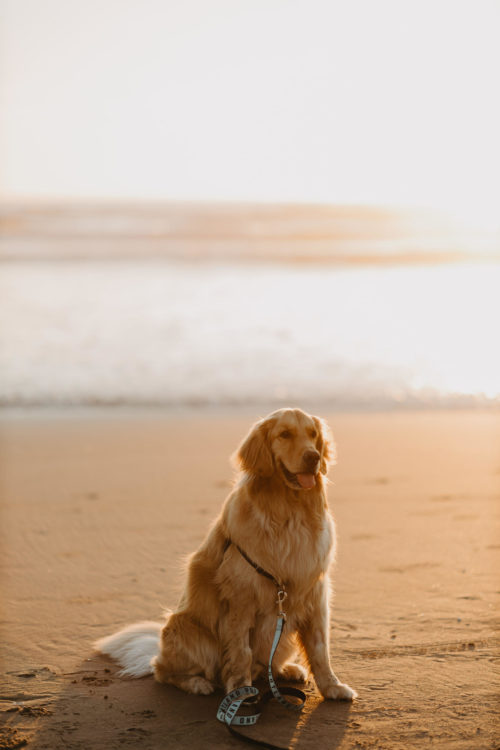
{"points": [[282, 595]]}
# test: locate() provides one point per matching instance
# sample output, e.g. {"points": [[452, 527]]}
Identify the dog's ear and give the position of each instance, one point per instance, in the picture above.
{"points": [[325, 445], [254, 454]]}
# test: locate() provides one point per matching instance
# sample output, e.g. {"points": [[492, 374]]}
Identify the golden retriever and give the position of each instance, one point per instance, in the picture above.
{"points": [[277, 518]]}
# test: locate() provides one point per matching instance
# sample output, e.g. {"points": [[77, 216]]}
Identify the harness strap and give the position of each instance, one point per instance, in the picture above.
{"points": [[252, 563]]}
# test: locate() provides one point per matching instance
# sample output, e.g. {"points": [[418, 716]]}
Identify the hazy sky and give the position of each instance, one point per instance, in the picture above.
{"points": [[355, 101]]}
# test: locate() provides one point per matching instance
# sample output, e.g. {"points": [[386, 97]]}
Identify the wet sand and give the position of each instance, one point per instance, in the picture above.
{"points": [[100, 508]]}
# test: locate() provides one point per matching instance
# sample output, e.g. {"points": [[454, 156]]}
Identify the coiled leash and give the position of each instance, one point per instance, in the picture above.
{"points": [[249, 695]]}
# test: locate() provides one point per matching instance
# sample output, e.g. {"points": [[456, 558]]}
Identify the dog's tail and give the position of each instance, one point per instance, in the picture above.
{"points": [[133, 647]]}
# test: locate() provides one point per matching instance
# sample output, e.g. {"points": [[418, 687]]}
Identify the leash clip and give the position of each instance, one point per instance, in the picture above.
{"points": [[282, 595]]}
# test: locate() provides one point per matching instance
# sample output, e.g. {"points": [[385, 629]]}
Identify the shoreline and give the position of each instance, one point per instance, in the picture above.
{"points": [[124, 410]]}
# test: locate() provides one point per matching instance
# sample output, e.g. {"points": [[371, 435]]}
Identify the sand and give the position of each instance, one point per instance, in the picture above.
{"points": [[100, 508]]}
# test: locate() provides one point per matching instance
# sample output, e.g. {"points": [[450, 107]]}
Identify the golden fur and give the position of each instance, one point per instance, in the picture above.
{"points": [[222, 630]]}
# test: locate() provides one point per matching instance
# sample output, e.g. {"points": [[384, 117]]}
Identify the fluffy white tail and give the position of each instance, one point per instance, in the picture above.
{"points": [[134, 648]]}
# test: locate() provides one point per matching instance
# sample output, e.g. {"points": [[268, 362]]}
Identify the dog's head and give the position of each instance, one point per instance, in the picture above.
{"points": [[290, 444]]}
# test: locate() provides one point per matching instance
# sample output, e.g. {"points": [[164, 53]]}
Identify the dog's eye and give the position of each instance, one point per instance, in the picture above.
{"points": [[314, 434], [286, 434]]}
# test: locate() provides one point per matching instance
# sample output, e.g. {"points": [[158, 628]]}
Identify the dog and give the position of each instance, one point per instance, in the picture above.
{"points": [[275, 525]]}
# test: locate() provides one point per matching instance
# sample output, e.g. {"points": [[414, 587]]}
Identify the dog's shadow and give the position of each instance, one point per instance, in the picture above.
{"points": [[96, 708], [321, 724]]}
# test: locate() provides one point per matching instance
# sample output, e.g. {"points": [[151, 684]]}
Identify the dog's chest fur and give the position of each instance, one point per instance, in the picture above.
{"points": [[298, 553], [293, 542]]}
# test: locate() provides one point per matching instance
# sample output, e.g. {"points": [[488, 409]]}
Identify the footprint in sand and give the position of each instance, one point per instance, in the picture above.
{"points": [[44, 672], [30, 711], [470, 597], [410, 566], [11, 739]]}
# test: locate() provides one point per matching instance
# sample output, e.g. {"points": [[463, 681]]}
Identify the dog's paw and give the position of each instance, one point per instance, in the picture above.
{"points": [[197, 685], [293, 672], [340, 692]]}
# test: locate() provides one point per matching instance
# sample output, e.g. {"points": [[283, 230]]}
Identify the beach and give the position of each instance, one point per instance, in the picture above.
{"points": [[209, 212], [100, 508]]}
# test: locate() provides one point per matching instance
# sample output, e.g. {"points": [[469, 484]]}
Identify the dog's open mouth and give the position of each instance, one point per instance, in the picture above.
{"points": [[304, 481]]}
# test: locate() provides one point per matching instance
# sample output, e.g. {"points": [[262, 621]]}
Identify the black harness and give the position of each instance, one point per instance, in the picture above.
{"points": [[229, 542]]}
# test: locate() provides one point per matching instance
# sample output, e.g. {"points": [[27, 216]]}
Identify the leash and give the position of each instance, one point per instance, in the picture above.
{"points": [[248, 695]]}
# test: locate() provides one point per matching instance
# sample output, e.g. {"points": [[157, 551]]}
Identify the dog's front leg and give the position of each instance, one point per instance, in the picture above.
{"points": [[314, 634], [236, 655]]}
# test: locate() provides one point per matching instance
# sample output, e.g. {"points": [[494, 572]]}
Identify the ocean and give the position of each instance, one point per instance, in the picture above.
{"points": [[172, 332]]}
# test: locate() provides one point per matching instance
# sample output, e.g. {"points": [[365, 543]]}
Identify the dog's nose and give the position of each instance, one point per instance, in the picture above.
{"points": [[311, 458]]}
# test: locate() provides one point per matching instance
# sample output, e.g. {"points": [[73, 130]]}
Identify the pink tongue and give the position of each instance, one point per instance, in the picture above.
{"points": [[306, 480]]}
